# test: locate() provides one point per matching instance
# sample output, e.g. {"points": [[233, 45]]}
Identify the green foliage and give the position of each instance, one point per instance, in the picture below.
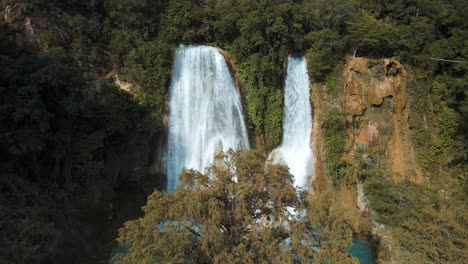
{"points": [[334, 135], [435, 236], [444, 146], [430, 228], [370, 36], [129, 24], [330, 15], [414, 38], [256, 106], [264, 100], [139, 17], [182, 23], [274, 117], [125, 112], [26, 232], [120, 43], [150, 66], [399, 201], [332, 86], [54, 138], [37, 92], [325, 53]]}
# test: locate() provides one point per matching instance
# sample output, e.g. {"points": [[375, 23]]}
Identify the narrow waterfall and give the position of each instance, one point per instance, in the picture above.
{"points": [[205, 111], [295, 150]]}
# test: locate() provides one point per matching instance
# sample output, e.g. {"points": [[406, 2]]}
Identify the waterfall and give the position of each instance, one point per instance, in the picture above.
{"points": [[205, 111], [295, 150]]}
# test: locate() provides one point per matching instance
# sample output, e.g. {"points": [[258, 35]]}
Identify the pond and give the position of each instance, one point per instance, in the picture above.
{"points": [[361, 250]]}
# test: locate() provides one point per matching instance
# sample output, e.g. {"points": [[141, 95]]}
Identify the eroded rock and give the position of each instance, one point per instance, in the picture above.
{"points": [[375, 91], [368, 82]]}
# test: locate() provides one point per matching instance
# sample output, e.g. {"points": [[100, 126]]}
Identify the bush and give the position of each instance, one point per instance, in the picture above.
{"points": [[335, 142], [274, 117], [325, 53]]}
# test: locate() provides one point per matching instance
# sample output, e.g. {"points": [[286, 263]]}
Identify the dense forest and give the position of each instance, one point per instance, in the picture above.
{"points": [[75, 149]]}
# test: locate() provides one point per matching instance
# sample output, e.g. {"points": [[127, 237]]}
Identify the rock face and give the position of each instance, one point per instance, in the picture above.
{"points": [[317, 140], [123, 85], [234, 72], [375, 102], [368, 82], [368, 133]]}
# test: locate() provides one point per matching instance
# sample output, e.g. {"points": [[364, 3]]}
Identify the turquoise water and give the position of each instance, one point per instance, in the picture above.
{"points": [[362, 251], [359, 249]]}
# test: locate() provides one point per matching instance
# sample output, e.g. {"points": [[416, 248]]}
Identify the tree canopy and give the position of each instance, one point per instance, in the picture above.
{"points": [[239, 211]]}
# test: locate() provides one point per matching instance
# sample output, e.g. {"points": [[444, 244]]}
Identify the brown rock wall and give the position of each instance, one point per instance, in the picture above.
{"points": [[320, 182], [374, 97]]}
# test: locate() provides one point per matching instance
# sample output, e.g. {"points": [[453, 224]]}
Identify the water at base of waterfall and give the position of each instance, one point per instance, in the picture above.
{"points": [[362, 251]]}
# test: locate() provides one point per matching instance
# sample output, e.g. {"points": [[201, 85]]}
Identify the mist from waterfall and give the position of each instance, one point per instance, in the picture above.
{"points": [[205, 111], [295, 150]]}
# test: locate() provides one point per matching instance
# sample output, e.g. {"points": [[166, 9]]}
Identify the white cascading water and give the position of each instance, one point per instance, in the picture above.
{"points": [[295, 150], [205, 111]]}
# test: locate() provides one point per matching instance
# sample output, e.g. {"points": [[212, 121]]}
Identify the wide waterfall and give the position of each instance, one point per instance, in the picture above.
{"points": [[295, 150], [205, 111]]}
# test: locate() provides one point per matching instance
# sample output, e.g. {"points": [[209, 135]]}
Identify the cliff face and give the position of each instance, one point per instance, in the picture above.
{"points": [[367, 83], [375, 104], [371, 94], [320, 182]]}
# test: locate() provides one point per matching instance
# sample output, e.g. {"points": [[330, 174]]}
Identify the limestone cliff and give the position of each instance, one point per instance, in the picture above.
{"points": [[370, 95], [320, 182], [375, 104]]}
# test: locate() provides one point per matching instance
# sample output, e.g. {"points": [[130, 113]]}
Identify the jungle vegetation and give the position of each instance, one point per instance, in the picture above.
{"points": [[59, 116]]}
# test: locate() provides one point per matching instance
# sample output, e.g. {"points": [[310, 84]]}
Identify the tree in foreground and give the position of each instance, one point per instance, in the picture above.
{"points": [[240, 211]]}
